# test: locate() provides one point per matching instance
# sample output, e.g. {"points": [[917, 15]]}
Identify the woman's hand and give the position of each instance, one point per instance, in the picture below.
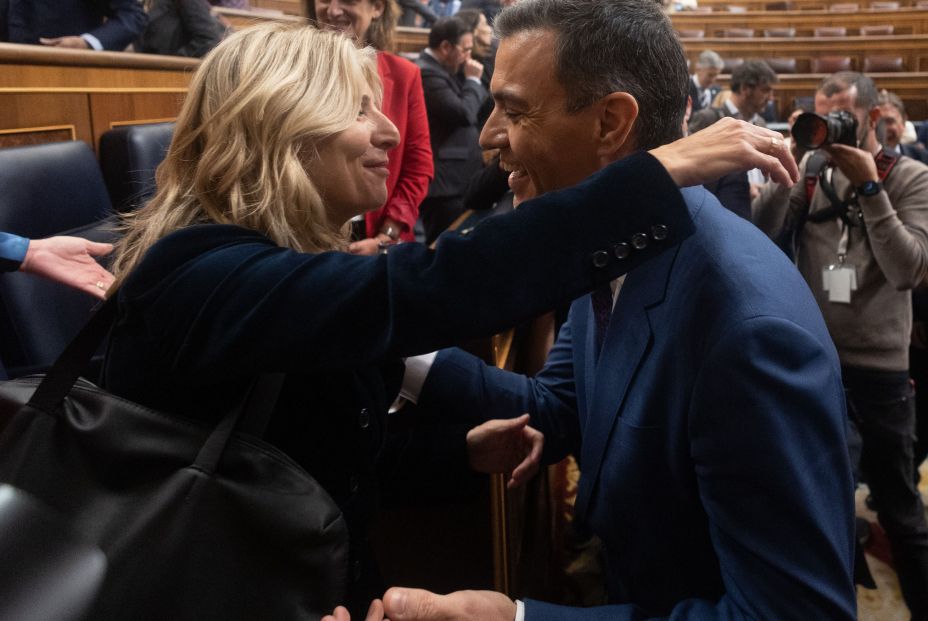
{"points": [[368, 246], [725, 147], [506, 446], [70, 261]]}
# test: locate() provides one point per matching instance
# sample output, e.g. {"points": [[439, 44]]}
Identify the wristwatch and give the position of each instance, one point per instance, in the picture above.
{"points": [[869, 188]]}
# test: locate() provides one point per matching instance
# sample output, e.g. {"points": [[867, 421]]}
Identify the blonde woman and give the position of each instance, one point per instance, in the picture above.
{"points": [[234, 269]]}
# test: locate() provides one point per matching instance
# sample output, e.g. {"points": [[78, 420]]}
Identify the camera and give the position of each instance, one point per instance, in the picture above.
{"points": [[811, 131]]}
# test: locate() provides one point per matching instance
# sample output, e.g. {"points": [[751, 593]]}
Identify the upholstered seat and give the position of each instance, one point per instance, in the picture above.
{"points": [[129, 156], [877, 30], [831, 31], [737, 33], [780, 32], [883, 64], [782, 65], [691, 34], [831, 64]]}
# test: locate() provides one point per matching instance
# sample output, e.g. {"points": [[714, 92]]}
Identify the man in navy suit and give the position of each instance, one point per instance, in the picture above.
{"points": [[77, 24], [702, 395], [452, 105]]}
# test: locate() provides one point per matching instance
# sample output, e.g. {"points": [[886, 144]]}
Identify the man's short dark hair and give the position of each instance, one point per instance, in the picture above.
{"points": [[752, 73], [867, 96], [449, 29], [470, 17], [607, 46], [887, 98]]}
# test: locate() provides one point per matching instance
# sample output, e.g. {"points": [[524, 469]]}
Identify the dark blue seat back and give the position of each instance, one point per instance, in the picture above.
{"points": [[129, 156], [49, 188]]}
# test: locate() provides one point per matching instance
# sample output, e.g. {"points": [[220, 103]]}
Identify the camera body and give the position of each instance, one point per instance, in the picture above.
{"points": [[812, 131]]}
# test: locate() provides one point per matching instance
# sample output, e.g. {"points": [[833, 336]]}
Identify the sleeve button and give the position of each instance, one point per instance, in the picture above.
{"points": [[621, 251], [600, 258], [639, 241], [659, 232], [364, 418]]}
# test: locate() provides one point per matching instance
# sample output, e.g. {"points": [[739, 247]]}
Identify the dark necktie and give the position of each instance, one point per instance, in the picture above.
{"points": [[601, 299]]}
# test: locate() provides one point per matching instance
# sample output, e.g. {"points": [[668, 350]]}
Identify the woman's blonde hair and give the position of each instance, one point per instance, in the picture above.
{"points": [[379, 34], [256, 110]]}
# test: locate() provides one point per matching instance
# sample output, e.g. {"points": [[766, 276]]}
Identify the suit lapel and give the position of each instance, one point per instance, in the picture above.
{"points": [[627, 342]]}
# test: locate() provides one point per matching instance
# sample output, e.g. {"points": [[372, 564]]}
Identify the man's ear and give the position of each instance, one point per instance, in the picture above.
{"points": [[617, 115], [445, 48]]}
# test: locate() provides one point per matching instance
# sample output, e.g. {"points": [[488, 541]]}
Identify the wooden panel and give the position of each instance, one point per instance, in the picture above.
{"points": [[32, 110], [905, 21], [290, 7], [239, 19], [109, 110], [912, 48], [36, 135], [409, 39]]}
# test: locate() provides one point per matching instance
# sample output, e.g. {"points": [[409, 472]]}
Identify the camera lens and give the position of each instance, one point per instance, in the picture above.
{"points": [[810, 131]]}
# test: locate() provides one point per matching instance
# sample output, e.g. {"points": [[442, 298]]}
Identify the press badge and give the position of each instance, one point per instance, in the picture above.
{"points": [[839, 280]]}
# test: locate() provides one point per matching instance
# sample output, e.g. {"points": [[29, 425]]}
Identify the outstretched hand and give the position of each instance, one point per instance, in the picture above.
{"points": [[724, 147], [70, 261], [401, 604], [506, 446]]}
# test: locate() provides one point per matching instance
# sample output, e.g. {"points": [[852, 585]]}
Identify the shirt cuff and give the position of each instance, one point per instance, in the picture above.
{"points": [[473, 79], [417, 369], [520, 610], [92, 41], [12, 251]]}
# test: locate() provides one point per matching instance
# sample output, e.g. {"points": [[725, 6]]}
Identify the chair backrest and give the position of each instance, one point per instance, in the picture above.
{"points": [[831, 31], [921, 4], [49, 188], [847, 7], [737, 9], [779, 32], [129, 156], [883, 64], [831, 64], [778, 6], [691, 34], [38, 317], [781, 65], [728, 64], [737, 33], [885, 6], [876, 30]]}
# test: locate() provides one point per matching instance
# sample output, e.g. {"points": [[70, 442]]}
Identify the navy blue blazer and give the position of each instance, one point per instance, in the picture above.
{"points": [[27, 20], [710, 435], [210, 307]]}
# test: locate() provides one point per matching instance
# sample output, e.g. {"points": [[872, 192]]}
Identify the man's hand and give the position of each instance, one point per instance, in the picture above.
{"points": [[725, 147], [75, 43], [856, 164], [472, 69], [374, 613], [401, 604], [70, 261], [506, 446]]}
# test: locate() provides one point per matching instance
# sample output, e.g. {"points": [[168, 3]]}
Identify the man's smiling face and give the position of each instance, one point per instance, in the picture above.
{"points": [[543, 145]]}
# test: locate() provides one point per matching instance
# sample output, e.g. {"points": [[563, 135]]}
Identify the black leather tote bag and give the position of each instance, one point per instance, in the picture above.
{"points": [[196, 522]]}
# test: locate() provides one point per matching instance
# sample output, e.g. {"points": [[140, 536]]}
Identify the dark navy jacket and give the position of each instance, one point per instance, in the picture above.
{"points": [[212, 306]]}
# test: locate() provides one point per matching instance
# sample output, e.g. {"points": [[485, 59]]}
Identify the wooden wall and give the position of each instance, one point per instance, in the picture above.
{"points": [[905, 21], [47, 94]]}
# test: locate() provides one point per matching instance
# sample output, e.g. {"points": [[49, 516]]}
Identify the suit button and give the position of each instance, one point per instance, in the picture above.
{"points": [[364, 418], [659, 232], [621, 251], [639, 241], [600, 258]]}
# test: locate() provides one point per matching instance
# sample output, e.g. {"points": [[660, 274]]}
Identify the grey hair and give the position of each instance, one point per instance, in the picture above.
{"points": [[708, 58], [867, 96], [608, 46]]}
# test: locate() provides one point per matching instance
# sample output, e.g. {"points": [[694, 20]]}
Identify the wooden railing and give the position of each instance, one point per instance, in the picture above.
{"points": [[904, 21], [761, 5], [913, 49], [243, 19], [51, 94]]}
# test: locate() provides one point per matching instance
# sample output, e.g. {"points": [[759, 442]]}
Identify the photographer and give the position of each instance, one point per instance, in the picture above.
{"points": [[857, 227]]}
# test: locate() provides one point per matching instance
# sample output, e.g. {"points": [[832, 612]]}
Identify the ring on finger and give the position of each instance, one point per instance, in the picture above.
{"points": [[775, 143]]}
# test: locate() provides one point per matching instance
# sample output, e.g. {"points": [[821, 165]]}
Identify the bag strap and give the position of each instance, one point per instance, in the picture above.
{"points": [[251, 415], [74, 359]]}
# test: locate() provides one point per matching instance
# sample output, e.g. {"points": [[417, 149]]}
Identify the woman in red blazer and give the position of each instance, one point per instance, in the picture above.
{"points": [[373, 22]]}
